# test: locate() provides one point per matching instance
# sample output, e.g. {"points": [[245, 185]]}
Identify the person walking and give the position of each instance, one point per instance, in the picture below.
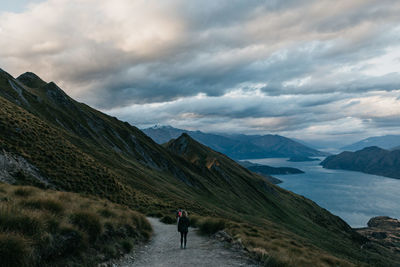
{"points": [[183, 228], [178, 214]]}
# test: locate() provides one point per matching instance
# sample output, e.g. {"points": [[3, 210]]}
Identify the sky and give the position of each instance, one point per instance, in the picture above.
{"points": [[326, 71]]}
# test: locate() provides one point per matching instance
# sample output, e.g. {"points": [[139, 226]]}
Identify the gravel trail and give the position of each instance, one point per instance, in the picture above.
{"points": [[164, 250]]}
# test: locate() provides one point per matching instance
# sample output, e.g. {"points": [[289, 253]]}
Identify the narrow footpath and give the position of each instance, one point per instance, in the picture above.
{"points": [[164, 250]]}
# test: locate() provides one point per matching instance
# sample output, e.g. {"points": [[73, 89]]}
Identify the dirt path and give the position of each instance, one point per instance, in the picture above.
{"points": [[164, 250]]}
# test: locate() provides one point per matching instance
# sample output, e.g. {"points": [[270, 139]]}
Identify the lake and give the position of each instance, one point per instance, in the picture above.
{"points": [[354, 196]]}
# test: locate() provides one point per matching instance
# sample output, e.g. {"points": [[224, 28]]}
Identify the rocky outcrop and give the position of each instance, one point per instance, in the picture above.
{"points": [[14, 168], [385, 231]]}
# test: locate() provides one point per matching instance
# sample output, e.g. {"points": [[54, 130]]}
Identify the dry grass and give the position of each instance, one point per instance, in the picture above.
{"points": [[50, 228], [209, 226], [274, 247]]}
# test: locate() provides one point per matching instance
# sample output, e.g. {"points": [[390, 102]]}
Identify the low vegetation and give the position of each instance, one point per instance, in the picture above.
{"points": [[209, 226], [49, 228], [168, 219]]}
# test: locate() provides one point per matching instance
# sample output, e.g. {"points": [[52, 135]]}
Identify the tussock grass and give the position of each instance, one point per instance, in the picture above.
{"points": [[50, 228], [194, 221], [24, 191], [14, 250], [14, 219], [209, 226], [87, 222], [50, 205]]}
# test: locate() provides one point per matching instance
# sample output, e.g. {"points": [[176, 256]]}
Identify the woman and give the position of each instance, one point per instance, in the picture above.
{"points": [[183, 228]]}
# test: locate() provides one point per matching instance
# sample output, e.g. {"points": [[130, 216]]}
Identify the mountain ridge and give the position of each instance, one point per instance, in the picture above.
{"points": [[384, 141], [238, 146]]}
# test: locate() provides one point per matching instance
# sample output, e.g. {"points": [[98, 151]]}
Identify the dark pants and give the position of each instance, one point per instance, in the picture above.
{"points": [[183, 238]]}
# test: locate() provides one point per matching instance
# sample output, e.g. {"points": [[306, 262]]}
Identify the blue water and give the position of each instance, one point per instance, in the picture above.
{"points": [[354, 196]]}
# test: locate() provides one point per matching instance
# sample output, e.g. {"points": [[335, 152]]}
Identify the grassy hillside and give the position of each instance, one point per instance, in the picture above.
{"points": [[50, 228], [77, 148], [288, 228]]}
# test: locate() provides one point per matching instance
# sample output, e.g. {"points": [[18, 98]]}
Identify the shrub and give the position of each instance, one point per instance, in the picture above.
{"points": [[168, 220], [14, 251], [210, 226], [88, 222], [45, 204]]}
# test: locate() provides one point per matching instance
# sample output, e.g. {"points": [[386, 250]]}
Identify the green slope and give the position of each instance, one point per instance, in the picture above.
{"points": [[80, 149]]}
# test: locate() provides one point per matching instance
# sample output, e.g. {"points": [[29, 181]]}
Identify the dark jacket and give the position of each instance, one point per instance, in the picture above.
{"points": [[183, 224]]}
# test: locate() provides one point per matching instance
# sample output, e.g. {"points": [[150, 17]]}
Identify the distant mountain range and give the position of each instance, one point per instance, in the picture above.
{"points": [[385, 142], [239, 146], [373, 160]]}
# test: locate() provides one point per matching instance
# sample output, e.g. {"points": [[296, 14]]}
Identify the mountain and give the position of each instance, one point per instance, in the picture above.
{"points": [[385, 142], [268, 170], [396, 148], [373, 160], [49, 140], [238, 146]]}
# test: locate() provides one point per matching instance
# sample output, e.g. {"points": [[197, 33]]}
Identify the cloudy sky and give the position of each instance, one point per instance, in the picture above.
{"points": [[315, 70]]}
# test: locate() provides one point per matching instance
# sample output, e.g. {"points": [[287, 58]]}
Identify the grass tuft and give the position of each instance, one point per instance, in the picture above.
{"points": [[106, 213], [88, 222], [23, 191], [209, 226], [14, 250], [50, 205], [127, 246]]}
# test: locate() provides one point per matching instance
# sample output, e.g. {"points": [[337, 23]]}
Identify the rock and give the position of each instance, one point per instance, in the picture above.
{"points": [[383, 222], [14, 167], [379, 235], [238, 245], [223, 236], [383, 230]]}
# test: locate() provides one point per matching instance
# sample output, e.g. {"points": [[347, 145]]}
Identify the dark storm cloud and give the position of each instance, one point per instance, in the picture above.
{"points": [[270, 66]]}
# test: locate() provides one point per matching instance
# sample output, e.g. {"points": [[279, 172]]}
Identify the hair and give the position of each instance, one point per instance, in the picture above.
{"points": [[184, 213]]}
